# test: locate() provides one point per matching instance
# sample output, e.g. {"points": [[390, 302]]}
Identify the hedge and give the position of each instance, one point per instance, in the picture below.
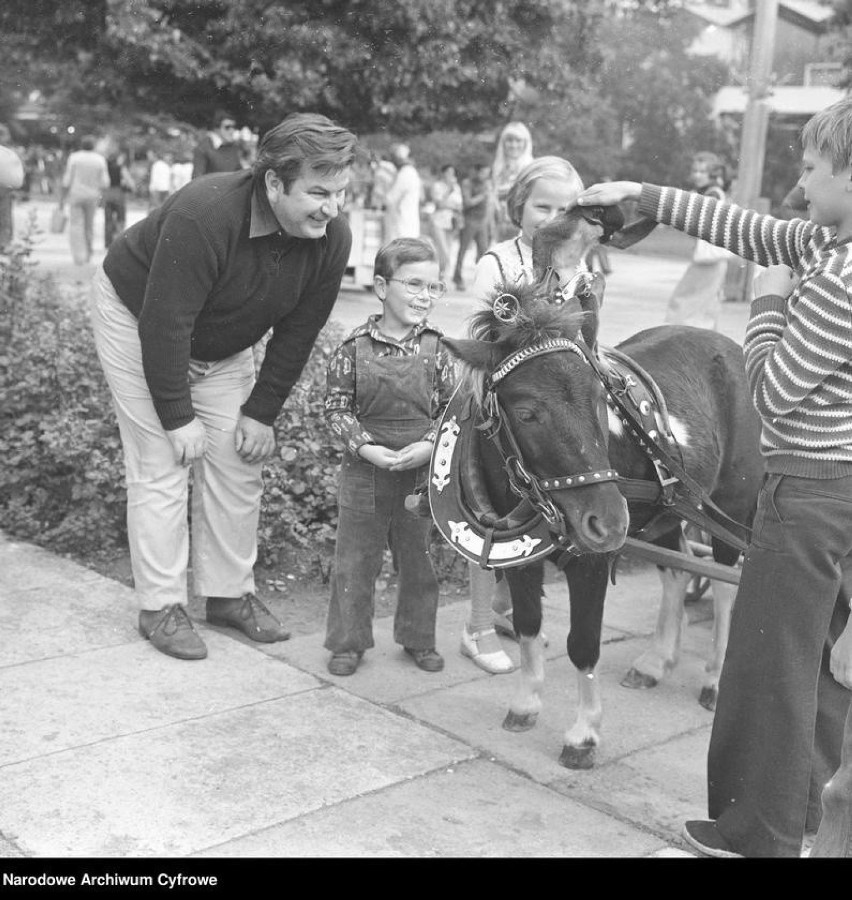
{"points": [[62, 474]]}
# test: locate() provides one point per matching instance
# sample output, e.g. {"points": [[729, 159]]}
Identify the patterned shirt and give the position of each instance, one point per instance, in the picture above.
{"points": [[798, 349], [341, 406]]}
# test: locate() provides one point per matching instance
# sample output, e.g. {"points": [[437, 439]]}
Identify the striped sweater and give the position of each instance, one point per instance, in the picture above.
{"points": [[798, 349]]}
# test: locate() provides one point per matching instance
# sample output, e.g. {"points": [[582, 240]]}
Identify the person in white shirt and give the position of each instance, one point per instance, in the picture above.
{"points": [[86, 177], [402, 210], [160, 180]]}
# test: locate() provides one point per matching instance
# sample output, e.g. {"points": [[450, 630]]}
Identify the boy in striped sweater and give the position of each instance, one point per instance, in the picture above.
{"points": [[783, 694]]}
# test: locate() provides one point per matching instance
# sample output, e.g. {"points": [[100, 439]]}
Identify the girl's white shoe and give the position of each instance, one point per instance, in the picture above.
{"points": [[496, 663]]}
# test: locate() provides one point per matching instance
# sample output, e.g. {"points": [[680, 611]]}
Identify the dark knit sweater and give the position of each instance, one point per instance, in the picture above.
{"points": [[798, 349], [208, 273]]}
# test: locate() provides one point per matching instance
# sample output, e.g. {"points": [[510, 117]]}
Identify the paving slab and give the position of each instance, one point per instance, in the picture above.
{"points": [[658, 788], [632, 720], [121, 690], [179, 789], [473, 809]]}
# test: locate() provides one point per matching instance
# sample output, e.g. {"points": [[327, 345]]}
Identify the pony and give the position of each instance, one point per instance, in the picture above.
{"points": [[553, 447]]}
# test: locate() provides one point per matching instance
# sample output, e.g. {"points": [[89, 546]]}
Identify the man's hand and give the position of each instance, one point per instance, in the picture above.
{"points": [[776, 281], [608, 193], [253, 440], [188, 442], [413, 456]]}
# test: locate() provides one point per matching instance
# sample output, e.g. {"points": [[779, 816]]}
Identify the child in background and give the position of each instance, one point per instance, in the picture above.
{"points": [[783, 696], [543, 190], [698, 295], [388, 384]]}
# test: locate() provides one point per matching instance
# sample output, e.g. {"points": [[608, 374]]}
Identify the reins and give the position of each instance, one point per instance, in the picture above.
{"points": [[674, 489]]}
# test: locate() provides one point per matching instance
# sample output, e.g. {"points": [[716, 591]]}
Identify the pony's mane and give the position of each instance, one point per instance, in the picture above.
{"points": [[538, 319]]}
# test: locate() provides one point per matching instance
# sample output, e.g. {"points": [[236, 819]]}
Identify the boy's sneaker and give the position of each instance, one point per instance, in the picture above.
{"points": [[704, 836]]}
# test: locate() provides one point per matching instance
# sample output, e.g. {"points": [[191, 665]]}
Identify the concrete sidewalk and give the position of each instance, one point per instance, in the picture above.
{"points": [[111, 749]]}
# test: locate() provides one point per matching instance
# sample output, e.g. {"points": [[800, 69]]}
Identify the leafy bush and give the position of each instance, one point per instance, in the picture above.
{"points": [[61, 482]]}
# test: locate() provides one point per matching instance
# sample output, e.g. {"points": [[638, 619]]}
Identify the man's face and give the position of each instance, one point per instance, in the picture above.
{"points": [[311, 203], [227, 130]]}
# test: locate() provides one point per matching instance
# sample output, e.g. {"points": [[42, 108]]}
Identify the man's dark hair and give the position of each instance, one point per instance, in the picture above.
{"points": [[304, 139]]}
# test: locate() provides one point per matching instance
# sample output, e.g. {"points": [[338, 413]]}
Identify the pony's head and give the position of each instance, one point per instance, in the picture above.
{"points": [[528, 367]]}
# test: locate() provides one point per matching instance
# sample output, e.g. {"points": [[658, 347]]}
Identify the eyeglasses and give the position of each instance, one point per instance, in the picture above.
{"points": [[415, 286], [229, 126]]}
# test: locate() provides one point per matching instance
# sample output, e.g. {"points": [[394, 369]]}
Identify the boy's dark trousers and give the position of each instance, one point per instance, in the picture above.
{"points": [[371, 510], [779, 719]]}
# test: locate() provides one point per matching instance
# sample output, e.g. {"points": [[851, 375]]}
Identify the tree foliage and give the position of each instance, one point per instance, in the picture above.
{"points": [[409, 66]]}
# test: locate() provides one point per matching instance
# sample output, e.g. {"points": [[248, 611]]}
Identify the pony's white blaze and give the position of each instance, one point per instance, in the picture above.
{"points": [[679, 431]]}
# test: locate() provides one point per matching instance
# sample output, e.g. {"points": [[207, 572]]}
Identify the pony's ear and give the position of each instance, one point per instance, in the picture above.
{"points": [[610, 219], [477, 354]]}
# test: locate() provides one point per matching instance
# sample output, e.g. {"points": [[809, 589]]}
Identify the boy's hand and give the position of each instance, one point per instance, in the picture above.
{"points": [[775, 281], [608, 193], [381, 457], [413, 456]]}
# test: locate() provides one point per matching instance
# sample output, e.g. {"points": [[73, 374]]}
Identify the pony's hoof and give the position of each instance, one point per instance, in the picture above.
{"points": [[638, 680], [707, 698], [578, 757], [519, 721]]}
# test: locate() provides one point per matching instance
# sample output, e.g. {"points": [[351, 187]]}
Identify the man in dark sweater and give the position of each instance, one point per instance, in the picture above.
{"points": [[218, 150], [180, 301]]}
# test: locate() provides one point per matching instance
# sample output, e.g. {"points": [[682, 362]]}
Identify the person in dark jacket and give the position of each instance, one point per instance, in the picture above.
{"points": [[218, 150], [182, 298]]}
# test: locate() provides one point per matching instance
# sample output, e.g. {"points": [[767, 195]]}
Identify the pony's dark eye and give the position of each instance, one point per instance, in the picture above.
{"points": [[525, 415]]}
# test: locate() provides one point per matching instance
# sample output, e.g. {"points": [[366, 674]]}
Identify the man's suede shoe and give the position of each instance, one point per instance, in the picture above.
{"points": [[428, 660], [170, 630], [247, 614]]}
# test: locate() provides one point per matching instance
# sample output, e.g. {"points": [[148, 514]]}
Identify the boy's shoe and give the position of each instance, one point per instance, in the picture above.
{"points": [[246, 614], [345, 662], [171, 631], [705, 837], [428, 660]]}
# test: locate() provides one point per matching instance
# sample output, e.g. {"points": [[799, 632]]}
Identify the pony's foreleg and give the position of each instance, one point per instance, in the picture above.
{"points": [[526, 703], [587, 583], [525, 585], [662, 656], [583, 737], [723, 605]]}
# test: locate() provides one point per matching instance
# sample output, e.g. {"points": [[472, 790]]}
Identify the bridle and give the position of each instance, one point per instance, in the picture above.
{"points": [[495, 426]]}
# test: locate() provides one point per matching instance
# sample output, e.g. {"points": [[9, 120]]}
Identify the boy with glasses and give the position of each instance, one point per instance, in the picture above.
{"points": [[218, 150], [388, 384]]}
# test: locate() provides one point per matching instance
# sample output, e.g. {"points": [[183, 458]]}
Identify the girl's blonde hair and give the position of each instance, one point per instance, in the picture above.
{"points": [[544, 167]]}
